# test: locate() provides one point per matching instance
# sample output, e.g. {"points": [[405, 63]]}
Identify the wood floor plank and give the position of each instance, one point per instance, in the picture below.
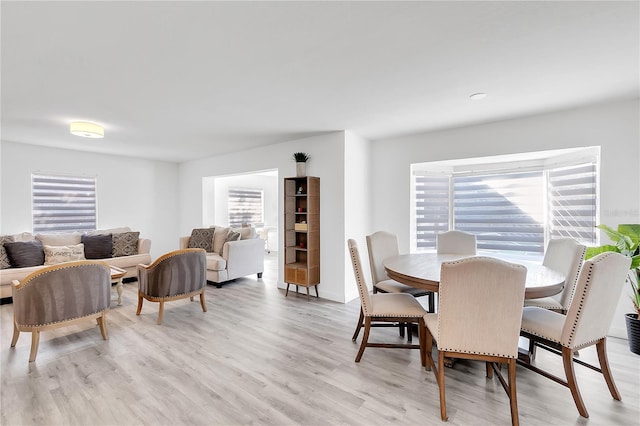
{"points": [[257, 357]]}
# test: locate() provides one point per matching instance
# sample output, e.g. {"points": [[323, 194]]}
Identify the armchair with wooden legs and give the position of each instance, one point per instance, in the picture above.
{"points": [[58, 296], [175, 275]]}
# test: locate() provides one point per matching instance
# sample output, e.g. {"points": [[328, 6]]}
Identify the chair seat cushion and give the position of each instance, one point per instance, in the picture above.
{"points": [[395, 305], [544, 302], [392, 286], [542, 322], [216, 262]]}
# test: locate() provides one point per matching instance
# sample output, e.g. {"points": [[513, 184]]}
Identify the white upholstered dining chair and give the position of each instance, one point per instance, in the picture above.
{"points": [[586, 323], [384, 308], [382, 245], [478, 318], [563, 255], [456, 242]]}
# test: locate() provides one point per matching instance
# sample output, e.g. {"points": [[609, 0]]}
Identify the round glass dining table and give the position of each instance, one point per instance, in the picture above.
{"points": [[422, 270]]}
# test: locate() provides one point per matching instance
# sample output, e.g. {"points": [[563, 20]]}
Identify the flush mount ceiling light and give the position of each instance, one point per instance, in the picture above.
{"points": [[478, 96], [86, 129]]}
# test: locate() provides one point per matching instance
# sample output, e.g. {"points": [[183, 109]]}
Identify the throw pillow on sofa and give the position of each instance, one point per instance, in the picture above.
{"points": [[25, 254], [202, 238], [219, 237], [59, 254], [97, 246], [125, 244], [4, 258], [61, 239], [231, 236]]}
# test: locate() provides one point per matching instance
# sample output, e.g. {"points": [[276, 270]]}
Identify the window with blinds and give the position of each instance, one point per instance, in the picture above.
{"points": [[432, 208], [245, 206], [573, 202], [63, 203], [508, 210]]}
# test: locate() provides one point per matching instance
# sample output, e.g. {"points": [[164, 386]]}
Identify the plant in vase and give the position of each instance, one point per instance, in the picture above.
{"points": [[301, 159], [627, 242]]}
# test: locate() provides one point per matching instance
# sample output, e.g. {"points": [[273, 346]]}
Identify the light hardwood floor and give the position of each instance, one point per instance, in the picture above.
{"points": [[257, 357]]}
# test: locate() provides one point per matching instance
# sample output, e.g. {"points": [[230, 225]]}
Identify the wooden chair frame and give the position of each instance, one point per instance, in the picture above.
{"points": [[567, 361], [493, 364]]}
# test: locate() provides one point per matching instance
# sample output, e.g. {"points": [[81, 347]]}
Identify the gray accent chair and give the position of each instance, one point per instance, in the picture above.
{"points": [[478, 318], [382, 309], [58, 296], [586, 323], [175, 275]]}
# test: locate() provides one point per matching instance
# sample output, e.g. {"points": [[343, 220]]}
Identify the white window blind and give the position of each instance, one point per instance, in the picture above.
{"points": [[504, 210], [432, 208], [245, 206], [516, 208], [572, 202], [63, 203]]}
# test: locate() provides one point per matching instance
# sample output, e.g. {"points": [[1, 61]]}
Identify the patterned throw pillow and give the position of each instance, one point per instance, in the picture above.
{"points": [[4, 258], [97, 246], [125, 244], [231, 236], [202, 238], [59, 254], [25, 254]]}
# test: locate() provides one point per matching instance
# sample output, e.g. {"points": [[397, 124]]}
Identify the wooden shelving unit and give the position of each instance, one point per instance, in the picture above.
{"points": [[302, 232]]}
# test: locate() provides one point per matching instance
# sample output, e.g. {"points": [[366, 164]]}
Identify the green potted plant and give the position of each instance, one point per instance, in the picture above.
{"points": [[301, 159], [626, 241]]}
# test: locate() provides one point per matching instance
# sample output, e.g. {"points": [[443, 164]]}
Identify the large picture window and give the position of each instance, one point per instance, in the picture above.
{"points": [[514, 206], [245, 206], [63, 203]]}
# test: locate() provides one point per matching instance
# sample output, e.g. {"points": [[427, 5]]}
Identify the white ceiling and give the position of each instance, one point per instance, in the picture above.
{"points": [[182, 80]]}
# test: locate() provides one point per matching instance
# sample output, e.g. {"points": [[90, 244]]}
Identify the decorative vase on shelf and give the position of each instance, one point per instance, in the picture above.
{"points": [[301, 169]]}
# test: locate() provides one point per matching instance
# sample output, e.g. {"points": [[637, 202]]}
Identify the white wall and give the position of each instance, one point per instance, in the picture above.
{"points": [[132, 192], [614, 127], [358, 206], [327, 159]]}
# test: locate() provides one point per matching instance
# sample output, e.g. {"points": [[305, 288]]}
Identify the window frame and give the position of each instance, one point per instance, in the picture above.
{"points": [[544, 162]]}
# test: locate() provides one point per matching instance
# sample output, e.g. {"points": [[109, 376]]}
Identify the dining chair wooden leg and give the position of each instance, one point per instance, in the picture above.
{"points": [[601, 348], [359, 326], [401, 327], [567, 360], [365, 338], [202, 302], [428, 347], [422, 338], [489, 370], [513, 396], [409, 331], [443, 403]]}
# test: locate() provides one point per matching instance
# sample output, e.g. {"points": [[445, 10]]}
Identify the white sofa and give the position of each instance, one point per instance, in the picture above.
{"points": [[235, 258], [128, 263]]}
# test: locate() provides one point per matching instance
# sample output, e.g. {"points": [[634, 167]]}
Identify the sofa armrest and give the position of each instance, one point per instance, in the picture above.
{"points": [[244, 257], [184, 242], [144, 246]]}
